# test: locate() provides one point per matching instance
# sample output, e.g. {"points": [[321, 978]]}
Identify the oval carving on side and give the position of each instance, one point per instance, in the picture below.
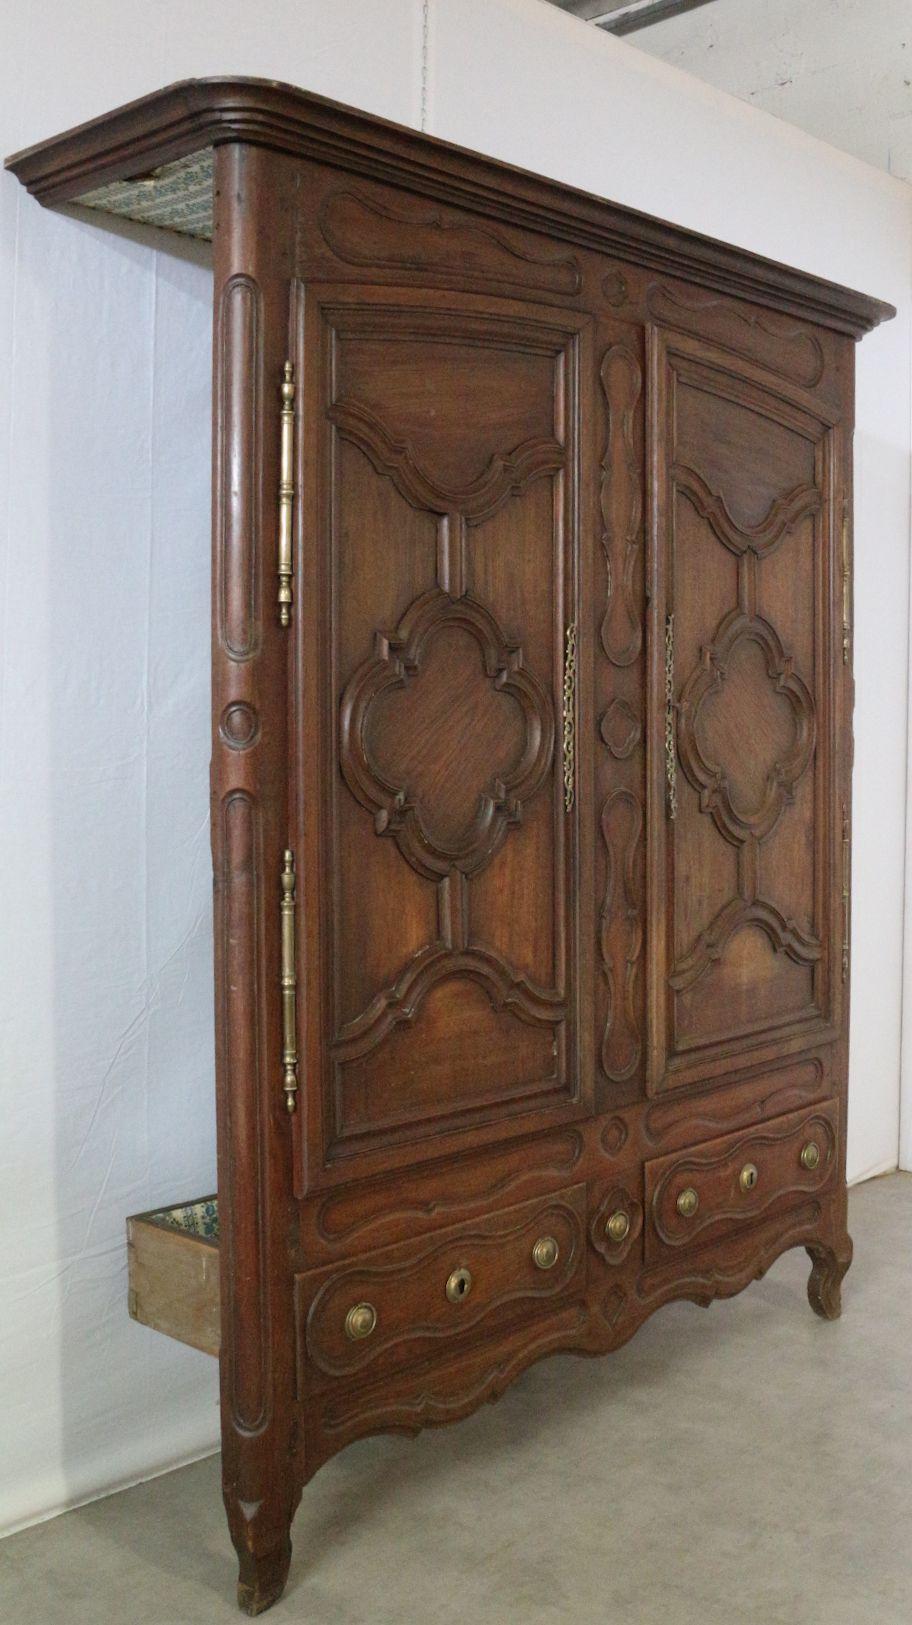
{"points": [[238, 440], [239, 727], [241, 1204]]}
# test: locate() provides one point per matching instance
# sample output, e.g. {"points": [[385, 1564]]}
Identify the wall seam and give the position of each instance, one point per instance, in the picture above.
{"points": [[904, 1115]]}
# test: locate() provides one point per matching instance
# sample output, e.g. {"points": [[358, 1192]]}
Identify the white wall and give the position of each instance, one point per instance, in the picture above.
{"points": [[840, 69], [105, 1004]]}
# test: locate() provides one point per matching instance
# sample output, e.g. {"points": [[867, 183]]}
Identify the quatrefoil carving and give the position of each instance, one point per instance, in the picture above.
{"points": [[736, 820], [448, 780]]}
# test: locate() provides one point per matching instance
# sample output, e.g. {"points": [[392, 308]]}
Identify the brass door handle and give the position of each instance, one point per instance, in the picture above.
{"points": [[810, 1155], [618, 1226], [687, 1203]]}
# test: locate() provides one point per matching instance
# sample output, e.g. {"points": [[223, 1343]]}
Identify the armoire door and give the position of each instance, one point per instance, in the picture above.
{"points": [[745, 899], [439, 691]]}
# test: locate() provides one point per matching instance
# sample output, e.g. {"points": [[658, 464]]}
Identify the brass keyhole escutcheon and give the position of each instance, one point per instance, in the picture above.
{"points": [[748, 1176], [618, 1226], [545, 1253], [688, 1202], [459, 1285], [360, 1321], [810, 1156]]}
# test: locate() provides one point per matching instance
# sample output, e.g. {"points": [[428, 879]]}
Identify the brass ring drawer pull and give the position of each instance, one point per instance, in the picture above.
{"points": [[618, 1226], [545, 1253], [360, 1321], [810, 1156], [748, 1176], [459, 1285], [688, 1202]]}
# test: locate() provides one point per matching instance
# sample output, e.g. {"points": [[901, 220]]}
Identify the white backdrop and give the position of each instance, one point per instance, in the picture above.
{"points": [[105, 1001]]}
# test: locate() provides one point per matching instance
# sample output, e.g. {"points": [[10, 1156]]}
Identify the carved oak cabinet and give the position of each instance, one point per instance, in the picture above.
{"points": [[532, 692]]}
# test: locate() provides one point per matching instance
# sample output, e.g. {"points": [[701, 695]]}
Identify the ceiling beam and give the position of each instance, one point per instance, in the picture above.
{"points": [[626, 16]]}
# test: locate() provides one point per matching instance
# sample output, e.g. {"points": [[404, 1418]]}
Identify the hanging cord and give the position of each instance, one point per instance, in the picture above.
{"points": [[425, 25]]}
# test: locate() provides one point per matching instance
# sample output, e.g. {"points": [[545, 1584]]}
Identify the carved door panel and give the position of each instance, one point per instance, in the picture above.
{"points": [[743, 914], [439, 576]]}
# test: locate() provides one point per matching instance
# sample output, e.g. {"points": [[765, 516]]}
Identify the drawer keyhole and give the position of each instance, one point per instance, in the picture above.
{"points": [[459, 1285], [748, 1176]]}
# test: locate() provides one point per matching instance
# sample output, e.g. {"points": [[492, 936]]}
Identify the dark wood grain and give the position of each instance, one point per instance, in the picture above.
{"points": [[521, 1014]]}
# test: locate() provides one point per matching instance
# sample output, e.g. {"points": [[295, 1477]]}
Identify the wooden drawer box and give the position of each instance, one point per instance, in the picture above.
{"points": [[402, 1304], [173, 1260], [696, 1196]]}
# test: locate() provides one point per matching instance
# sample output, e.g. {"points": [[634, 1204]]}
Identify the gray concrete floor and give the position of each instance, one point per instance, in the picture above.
{"points": [[752, 1463]]}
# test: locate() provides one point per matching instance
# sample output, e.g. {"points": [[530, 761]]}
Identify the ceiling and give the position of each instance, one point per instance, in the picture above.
{"points": [[840, 69], [626, 16]]}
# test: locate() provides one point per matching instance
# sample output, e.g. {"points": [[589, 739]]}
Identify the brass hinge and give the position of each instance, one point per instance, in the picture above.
{"points": [[286, 495], [570, 717], [289, 985], [846, 888], [846, 589], [671, 761]]}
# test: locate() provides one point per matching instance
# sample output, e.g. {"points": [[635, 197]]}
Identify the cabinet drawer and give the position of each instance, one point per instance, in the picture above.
{"points": [[406, 1303], [173, 1262], [695, 1196]]}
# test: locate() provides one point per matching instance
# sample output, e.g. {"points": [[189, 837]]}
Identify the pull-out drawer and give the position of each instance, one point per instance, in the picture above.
{"points": [[404, 1304], [173, 1256], [694, 1197]]}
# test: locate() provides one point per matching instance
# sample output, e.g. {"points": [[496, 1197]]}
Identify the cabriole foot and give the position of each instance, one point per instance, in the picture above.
{"points": [[825, 1284], [262, 1578]]}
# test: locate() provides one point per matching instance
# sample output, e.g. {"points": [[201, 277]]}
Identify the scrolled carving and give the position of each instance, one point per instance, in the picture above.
{"points": [[621, 729], [396, 659], [779, 345], [370, 232], [706, 1115], [506, 988], [616, 1200], [505, 475], [708, 777], [727, 1203], [426, 1197], [441, 1397], [782, 515], [621, 934], [721, 1272], [621, 379], [785, 935], [412, 1309]]}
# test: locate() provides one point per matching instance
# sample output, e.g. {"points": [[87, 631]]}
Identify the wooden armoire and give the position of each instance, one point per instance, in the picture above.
{"points": [[532, 692]]}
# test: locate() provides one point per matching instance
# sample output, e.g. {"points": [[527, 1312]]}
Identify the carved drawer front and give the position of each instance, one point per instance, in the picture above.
{"points": [[695, 1197], [415, 1301]]}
